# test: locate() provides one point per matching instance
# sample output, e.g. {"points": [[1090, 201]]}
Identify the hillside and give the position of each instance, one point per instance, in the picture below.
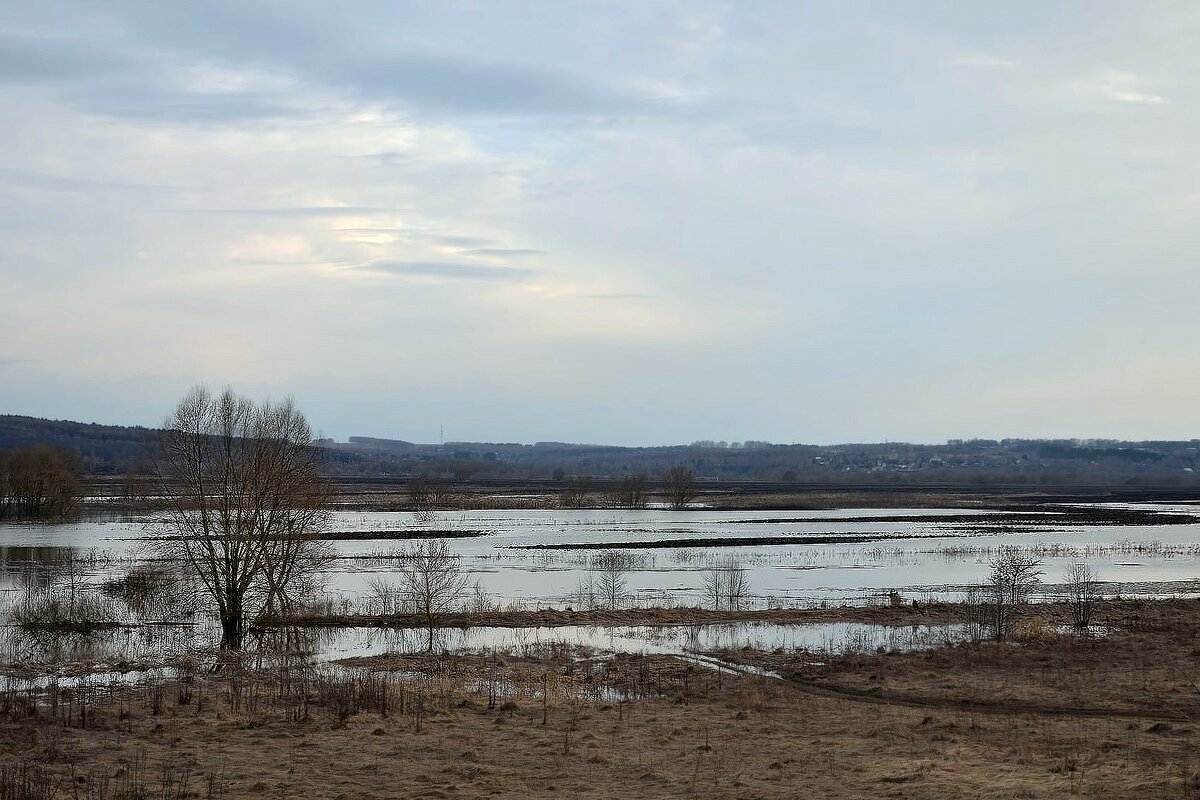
{"points": [[107, 449]]}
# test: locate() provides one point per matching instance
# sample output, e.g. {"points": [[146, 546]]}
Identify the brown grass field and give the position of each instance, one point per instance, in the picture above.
{"points": [[1045, 715]]}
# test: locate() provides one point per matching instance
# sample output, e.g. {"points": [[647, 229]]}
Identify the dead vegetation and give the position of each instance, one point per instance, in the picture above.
{"points": [[1140, 664], [426, 726]]}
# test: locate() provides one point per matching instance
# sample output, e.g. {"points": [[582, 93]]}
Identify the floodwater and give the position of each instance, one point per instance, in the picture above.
{"points": [[923, 560]]}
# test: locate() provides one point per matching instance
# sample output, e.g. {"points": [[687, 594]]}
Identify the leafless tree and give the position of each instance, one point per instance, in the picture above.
{"points": [[631, 492], [1013, 577], [429, 492], [609, 568], [679, 485], [726, 584], [386, 597], [241, 487], [575, 493], [432, 580], [585, 593], [480, 601], [737, 586], [1084, 589], [978, 616]]}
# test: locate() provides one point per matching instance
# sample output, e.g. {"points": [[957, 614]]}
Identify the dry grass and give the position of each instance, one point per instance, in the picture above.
{"points": [[424, 726], [552, 721], [754, 738], [1145, 663]]}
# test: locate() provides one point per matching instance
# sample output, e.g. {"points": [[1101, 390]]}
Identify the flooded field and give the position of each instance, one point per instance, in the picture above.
{"points": [[527, 560]]}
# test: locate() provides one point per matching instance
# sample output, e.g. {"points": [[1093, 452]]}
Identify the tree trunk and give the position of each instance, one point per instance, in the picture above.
{"points": [[232, 628]]}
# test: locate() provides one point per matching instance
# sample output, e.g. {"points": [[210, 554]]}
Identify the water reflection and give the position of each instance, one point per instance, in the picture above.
{"points": [[99, 558], [24, 650], [822, 638]]}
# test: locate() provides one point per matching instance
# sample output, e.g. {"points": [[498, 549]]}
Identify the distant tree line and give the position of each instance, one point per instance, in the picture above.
{"points": [[115, 450], [38, 482]]}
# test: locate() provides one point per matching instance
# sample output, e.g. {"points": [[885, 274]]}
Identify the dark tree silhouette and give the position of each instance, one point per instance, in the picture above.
{"points": [[679, 486], [240, 484]]}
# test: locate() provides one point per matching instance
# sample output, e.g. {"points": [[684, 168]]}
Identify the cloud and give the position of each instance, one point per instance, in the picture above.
{"points": [[1136, 97], [1125, 87], [450, 270], [66, 183], [516, 252], [706, 183], [465, 85], [133, 70], [121, 99], [54, 58], [459, 241], [294, 211], [981, 61]]}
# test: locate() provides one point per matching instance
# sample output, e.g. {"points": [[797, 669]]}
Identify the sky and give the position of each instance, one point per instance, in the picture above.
{"points": [[616, 222]]}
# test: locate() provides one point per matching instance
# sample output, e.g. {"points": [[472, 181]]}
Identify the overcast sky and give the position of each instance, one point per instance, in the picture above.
{"points": [[629, 223]]}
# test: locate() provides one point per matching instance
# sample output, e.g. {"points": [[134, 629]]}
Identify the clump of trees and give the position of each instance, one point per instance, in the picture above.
{"points": [[429, 492], [633, 491], [39, 482], [679, 486], [240, 484], [576, 493]]}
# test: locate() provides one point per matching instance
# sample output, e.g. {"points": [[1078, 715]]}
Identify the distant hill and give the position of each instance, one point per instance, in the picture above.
{"points": [[107, 449], [102, 448]]}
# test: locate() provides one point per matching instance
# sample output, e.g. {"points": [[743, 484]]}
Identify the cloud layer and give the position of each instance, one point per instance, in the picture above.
{"points": [[628, 223]]}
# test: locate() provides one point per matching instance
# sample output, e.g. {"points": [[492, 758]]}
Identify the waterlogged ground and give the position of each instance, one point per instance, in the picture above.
{"points": [[835, 561], [540, 559], [832, 637]]}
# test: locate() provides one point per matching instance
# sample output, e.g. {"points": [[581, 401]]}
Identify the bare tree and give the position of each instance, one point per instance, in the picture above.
{"points": [[737, 585], [679, 485], [480, 601], [432, 580], [978, 616], [575, 493], [610, 567], [1013, 577], [241, 487], [429, 492], [386, 596], [726, 584], [1084, 589], [631, 492]]}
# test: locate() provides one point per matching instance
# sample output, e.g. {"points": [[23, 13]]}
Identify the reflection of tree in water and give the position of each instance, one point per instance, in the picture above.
{"points": [[20, 565], [53, 649]]}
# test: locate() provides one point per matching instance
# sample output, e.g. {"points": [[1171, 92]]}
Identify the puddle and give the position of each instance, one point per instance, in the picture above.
{"points": [[676, 640]]}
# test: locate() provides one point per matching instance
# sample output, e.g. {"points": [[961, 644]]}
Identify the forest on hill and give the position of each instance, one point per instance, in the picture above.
{"points": [[113, 449]]}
